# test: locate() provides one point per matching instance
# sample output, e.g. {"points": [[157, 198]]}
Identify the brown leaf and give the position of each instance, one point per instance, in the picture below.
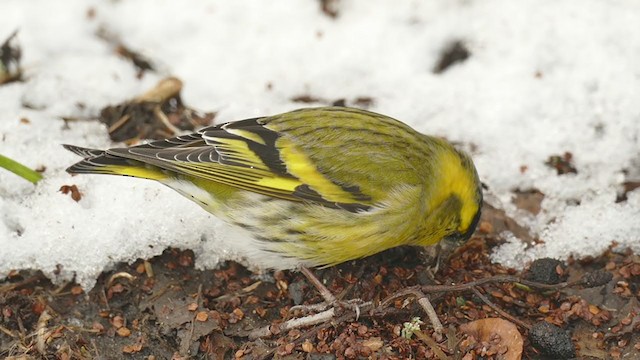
{"points": [[117, 321], [73, 190], [130, 349], [487, 329], [202, 316], [123, 331], [374, 343]]}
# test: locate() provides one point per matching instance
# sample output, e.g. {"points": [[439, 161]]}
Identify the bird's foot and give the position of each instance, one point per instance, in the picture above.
{"points": [[330, 301]]}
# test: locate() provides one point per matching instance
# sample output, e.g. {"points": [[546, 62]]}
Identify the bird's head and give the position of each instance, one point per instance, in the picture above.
{"points": [[455, 197]]}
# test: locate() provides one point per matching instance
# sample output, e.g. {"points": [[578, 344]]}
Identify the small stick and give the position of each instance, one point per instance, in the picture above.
{"points": [[164, 90], [307, 335], [431, 313], [424, 302], [416, 291], [497, 309], [432, 344], [193, 322], [294, 323], [14, 286], [165, 120], [103, 292], [41, 335], [244, 290], [148, 268], [498, 279], [162, 291], [118, 124], [324, 292], [7, 331]]}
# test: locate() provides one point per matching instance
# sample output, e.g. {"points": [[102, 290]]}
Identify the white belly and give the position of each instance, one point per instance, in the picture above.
{"points": [[231, 242]]}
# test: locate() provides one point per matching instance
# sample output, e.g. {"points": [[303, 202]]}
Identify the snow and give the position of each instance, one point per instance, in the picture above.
{"points": [[543, 78]]}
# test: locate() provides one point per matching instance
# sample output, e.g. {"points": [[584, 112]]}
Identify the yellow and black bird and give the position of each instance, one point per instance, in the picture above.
{"points": [[313, 187]]}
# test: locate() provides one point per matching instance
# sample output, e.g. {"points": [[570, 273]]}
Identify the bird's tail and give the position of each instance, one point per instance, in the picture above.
{"points": [[102, 162]]}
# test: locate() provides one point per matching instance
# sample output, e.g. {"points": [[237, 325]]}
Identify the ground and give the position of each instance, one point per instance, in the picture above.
{"points": [[163, 308]]}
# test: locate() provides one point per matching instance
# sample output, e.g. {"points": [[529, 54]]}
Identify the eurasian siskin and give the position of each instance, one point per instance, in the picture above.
{"points": [[313, 187]]}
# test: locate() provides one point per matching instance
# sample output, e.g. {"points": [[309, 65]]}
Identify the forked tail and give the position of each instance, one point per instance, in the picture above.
{"points": [[101, 162]]}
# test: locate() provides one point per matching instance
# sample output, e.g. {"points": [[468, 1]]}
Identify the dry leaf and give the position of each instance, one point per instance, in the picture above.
{"points": [[202, 316], [123, 331], [486, 330], [73, 190]]}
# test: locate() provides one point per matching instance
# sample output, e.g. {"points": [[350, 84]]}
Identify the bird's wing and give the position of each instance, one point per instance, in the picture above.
{"points": [[305, 155]]}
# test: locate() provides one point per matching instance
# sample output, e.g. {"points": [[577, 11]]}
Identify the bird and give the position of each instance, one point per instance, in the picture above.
{"points": [[313, 187]]}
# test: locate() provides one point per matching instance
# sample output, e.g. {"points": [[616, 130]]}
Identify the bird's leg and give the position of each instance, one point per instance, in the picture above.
{"points": [[328, 297], [436, 256]]}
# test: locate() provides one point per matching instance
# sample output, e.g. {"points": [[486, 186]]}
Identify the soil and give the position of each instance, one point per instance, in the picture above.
{"points": [[163, 308]]}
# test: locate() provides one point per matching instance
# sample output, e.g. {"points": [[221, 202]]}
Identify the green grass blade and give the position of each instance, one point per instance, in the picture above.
{"points": [[20, 170]]}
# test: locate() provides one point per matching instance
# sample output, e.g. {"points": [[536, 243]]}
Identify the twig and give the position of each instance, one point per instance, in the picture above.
{"points": [[164, 90], [8, 332], [82, 329], [308, 308], [452, 341], [422, 299], [431, 313], [95, 349], [41, 335], [497, 309], [294, 323], [58, 290], [118, 124], [118, 275], [244, 290], [162, 291], [309, 320], [308, 334], [23, 330], [432, 344], [104, 297], [424, 302], [165, 120], [498, 279], [193, 321], [148, 268], [324, 292], [14, 286]]}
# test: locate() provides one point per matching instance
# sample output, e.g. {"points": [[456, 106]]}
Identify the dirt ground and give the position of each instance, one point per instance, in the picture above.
{"points": [[163, 308]]}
